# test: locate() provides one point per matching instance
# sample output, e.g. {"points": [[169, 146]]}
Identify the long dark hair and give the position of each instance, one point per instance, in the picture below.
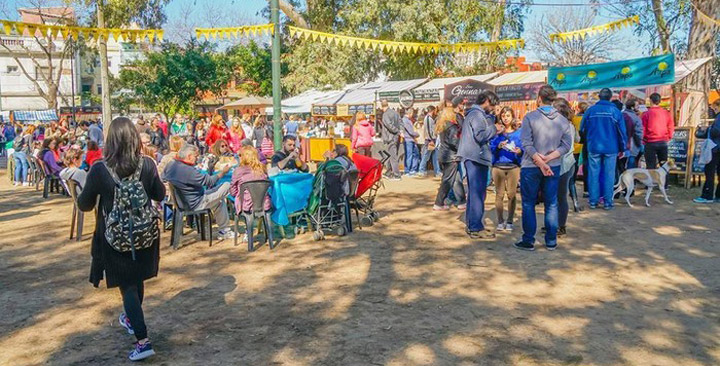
{"points": [[563, 107], [122, 151]]}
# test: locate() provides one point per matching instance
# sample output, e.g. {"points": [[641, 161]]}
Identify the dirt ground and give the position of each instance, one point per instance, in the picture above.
{"points": [[628, 287]]}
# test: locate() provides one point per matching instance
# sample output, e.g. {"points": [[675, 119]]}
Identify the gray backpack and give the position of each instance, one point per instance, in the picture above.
{"points": [[132, 224]]}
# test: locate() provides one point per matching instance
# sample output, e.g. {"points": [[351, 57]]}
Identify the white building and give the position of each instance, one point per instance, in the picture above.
{"points": [[17, 90]]}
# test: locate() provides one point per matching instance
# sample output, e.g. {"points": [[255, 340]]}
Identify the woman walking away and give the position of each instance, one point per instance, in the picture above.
{"points": [[448, 130], [713, 166], [507, 157], [362, 135], [123, 264], [567, 168]]}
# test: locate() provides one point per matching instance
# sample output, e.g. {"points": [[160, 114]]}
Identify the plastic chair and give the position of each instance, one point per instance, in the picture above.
{"points": [[203, 219], [77, 218], [258, 190], [50, 181]]}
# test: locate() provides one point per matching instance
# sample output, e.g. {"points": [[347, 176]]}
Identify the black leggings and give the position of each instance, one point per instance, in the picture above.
{"points": [[132, 296]]}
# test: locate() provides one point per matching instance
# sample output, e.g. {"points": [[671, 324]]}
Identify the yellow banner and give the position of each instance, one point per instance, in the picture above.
{"points": [[56, 31], [234, 32], [598, 29], [403, 47]]}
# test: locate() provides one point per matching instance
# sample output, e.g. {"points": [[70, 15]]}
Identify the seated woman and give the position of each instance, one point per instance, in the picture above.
{"points": [[93, 154], [176, 142], [47, 155], [72, 171], [250, 169], [222, 156]]}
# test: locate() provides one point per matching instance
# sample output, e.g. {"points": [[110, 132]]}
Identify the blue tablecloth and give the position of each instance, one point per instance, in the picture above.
{"points": [[227, 178], [289, 193]]}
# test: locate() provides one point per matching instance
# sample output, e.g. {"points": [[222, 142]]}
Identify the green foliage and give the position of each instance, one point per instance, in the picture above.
{"points": [[118, 13], [312, 64], [251, 66], [677, 15], [173, 79]]}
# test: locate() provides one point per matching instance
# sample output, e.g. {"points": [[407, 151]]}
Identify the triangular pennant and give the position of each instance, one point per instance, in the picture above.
{"points": [[104, 33], [7, 27], [116, 34], [20, 28], [44, 30], [314, 36], [160, 34], [151, 36]]}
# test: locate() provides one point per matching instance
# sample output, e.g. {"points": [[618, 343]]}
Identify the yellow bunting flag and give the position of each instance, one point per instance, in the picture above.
{"points": [[598, 29], [55, 31], [233, 32]]}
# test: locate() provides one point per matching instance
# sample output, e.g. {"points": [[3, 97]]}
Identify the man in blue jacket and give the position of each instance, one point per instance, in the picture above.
{"points": [[603, 127], [474, 149]]}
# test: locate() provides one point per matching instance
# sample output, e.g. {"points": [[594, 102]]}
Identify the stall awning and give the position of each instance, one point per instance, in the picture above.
{"points": [[684, 68], [302, 103], [248, 102], [29, 116], [517, 78]]}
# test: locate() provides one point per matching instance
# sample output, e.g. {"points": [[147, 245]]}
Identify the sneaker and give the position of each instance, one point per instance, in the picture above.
{"points": [[608, 208], [419, 175], [484, 234], [16, 184], [523, 245], [500, 227], [551, 247], [593, 206], [395, 178], [703, 200], [562, 231], [141, 351], [125, 322], [440, 208], [508, 226], [226, 234], [26, 184], [462, 207]]}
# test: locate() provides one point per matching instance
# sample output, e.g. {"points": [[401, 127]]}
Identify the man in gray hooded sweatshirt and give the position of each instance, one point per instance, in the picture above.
{"points": [[546, 137]]}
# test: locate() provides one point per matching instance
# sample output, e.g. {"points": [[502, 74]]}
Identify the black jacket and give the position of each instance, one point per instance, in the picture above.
{"points": [[449, 141], [119, 268]]}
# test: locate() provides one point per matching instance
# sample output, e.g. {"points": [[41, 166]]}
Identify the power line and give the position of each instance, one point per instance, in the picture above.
{"points": [[499, 2]]}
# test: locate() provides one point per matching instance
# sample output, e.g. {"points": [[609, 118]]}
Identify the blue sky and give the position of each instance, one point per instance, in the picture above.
{"points": [[229, 12]]}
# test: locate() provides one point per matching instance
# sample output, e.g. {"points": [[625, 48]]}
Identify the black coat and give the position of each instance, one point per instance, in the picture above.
{"points": [[119, 268], [449, 141]]}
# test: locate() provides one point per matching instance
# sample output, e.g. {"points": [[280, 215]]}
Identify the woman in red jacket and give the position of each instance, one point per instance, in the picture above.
{"points": [[218, 130]]}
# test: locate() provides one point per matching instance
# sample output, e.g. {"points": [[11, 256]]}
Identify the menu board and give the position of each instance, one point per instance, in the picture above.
{"points": [[678, 149], [697, 151]]}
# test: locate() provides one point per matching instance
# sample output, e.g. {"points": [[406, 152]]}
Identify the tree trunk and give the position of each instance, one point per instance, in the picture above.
{"points": [[701, 42], [104, 72], [291, 13], [663, 32]]}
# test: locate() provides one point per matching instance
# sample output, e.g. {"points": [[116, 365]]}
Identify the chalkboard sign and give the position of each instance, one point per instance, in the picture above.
{"points": [[696, 167], [678, 149]]}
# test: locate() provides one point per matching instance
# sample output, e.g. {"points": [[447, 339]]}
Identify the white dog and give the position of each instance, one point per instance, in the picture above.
{"points": [[650, 178]]}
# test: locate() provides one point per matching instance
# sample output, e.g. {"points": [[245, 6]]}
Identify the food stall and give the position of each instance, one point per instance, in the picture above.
{"points": [[26, 117], [518, 90], [432, 92]]}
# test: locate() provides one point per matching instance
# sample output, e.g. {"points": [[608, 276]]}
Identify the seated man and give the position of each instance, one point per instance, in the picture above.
{"points": [[190, 185], [288, 158]]}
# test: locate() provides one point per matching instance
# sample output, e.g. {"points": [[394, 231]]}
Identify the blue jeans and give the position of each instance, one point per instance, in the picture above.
{"points": [[21, 166], [412, 157], [532, 181], [601, 176], [477, 179], [430, 155]]}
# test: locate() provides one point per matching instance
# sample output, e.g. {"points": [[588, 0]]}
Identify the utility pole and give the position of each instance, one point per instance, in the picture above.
{"points": [[276, 88]]}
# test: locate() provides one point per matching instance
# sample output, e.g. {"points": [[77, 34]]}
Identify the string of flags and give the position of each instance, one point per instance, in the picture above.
{"points": [[403, 47], [598, 29], [235, 32], [706, 18], [64, 31]]}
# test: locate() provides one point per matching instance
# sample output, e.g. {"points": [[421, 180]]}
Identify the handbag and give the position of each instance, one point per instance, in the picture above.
{"points": [[706, 152]]}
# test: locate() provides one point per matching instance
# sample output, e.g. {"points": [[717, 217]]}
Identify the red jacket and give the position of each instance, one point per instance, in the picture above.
{"points": [[216, 133], [658, 125], [92, 155]]}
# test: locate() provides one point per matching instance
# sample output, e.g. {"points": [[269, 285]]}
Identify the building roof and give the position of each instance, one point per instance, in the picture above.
{"points": [[687, 67], [400, 85], [362, 94], [302, 103], [516, 78], [435, 84]]}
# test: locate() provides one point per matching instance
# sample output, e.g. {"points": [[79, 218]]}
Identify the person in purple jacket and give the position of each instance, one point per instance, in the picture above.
{"points": [[48, 156]]}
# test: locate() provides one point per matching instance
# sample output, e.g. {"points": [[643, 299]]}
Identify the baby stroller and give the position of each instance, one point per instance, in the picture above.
{"points": [[369, 182], [328, 201]]}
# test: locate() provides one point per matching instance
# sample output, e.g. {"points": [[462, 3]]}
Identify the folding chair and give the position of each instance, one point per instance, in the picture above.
{"points": [[77, 218], [202, 218], [258, 190]]}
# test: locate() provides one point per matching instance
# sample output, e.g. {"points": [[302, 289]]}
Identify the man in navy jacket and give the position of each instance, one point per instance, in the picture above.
{"points": [[474, 149], [604, 129]]}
